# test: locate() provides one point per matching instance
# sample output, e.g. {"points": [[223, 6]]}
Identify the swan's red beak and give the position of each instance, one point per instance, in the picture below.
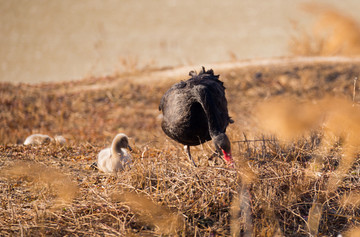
{"points": [[228, 159]]}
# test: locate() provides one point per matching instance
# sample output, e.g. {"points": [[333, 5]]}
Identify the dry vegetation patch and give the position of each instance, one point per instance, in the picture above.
{"points": [[277, 188]]}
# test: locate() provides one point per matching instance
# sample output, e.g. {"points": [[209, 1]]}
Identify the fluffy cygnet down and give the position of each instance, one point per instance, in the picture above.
{"points": [[60, 139], [39, 139], [116, 157]]}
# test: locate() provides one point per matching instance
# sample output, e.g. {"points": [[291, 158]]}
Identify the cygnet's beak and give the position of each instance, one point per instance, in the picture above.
{"points": [[129, 147], [228, 159]]}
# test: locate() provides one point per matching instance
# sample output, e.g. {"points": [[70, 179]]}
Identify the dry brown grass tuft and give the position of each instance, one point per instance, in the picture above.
{"points": [[333, 33], [351, 200], [166, 221], [288, 119], [42, 177], [337, 118]]}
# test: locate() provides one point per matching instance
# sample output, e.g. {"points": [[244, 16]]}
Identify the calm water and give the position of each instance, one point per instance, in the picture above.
{"points": [[44, 40]]}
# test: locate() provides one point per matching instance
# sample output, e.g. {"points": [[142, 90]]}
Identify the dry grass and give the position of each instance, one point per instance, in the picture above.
{"points": [[333, 33], [337, 119], [43, 177], [292, 188]]}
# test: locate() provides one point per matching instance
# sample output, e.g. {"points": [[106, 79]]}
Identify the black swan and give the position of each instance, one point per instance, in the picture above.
{"points": [[195, 111]]}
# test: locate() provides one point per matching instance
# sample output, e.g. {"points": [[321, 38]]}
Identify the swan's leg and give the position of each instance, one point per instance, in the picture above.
{"points": [[187, 150]]}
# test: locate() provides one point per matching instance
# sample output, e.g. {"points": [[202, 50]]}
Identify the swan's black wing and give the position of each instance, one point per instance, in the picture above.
{"points": [[196, 109]]}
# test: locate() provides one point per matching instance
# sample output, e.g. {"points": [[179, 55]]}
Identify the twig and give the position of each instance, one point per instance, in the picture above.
{"points": [[254, 140], [354, 91]]}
